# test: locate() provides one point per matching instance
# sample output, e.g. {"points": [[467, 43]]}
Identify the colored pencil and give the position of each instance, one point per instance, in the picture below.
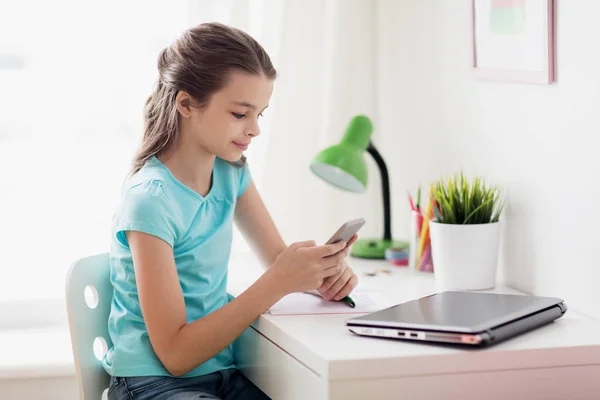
{"points": [[425, 227], [425, 259], [410, 201]]}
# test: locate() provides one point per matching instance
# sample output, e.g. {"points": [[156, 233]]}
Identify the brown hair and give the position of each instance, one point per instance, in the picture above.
{"points": [[198, 63]]}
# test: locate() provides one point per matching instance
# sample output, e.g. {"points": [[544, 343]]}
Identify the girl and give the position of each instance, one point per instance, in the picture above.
{"points": [[171, 321]]}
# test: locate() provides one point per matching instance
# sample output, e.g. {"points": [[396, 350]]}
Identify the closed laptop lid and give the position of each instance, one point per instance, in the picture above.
{"points": [[452, 311]]}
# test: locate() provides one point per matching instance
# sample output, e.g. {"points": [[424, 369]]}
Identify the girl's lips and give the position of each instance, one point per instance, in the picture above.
{"points": [[241, 145]]}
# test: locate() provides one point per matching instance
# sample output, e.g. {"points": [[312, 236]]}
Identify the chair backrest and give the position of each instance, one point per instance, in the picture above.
{"points": [[89, 295]]}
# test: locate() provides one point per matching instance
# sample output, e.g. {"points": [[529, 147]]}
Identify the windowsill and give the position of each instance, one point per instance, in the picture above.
{"points": [[40, 346], [36, 353]]}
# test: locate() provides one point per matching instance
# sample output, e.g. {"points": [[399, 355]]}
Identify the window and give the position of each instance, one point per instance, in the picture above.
{"points": [[74, 77]]}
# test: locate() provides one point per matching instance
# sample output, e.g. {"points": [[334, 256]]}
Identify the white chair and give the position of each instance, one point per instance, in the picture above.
{"points": [[89, 294]]}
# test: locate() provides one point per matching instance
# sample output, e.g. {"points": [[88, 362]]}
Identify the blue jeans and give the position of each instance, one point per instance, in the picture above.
{"points": [[225, 385]]}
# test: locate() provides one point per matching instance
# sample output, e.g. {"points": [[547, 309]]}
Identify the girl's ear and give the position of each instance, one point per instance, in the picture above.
{"points": [[184, 104]]}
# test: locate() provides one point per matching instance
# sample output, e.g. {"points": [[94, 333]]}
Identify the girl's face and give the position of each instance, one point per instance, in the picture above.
{"points": [[227, 125]]}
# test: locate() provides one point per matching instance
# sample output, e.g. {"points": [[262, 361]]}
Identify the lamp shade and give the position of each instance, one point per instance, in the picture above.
{"points": [[343, 165]]}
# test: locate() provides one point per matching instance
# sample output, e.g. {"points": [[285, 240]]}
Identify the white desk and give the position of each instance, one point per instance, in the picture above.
{"points": [[316, 357]]}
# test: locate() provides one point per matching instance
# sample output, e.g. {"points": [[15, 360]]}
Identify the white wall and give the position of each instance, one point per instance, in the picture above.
{"points": [[539, 142], [408, 104]]}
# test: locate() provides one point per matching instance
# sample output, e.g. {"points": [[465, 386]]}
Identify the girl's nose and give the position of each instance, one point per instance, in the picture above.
{"points": [[253, 130]]}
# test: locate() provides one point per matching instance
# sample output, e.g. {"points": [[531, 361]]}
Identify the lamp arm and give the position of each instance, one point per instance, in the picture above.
{"points": [[385, 185]]}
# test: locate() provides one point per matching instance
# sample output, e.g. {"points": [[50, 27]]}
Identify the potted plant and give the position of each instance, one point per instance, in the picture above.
{"points": [[465, 234]]}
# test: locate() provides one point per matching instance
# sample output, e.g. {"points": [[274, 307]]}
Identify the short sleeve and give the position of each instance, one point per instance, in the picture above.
{"points": [[146, 208], [244, 180]]}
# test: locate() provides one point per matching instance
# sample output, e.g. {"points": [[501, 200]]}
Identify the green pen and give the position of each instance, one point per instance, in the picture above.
{"points": [[348, 300]]}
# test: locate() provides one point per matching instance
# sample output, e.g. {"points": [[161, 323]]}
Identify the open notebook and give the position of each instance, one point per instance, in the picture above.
{"points": [[309, 303]]}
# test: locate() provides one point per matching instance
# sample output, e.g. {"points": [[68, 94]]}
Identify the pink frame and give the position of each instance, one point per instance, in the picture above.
{"points": [[541, 77]]}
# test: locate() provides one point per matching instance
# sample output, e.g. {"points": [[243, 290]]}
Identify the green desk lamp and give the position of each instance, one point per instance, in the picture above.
{"points": [[343, 166]]}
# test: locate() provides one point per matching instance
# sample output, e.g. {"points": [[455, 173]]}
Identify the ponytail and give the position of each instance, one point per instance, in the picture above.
{"points": [[161, 129]]}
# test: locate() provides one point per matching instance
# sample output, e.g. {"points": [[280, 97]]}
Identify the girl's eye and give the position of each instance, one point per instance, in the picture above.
{"points": [[260, 115], [238, 116]]}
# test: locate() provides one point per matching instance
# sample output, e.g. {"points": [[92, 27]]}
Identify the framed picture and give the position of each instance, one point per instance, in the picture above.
{"points": [[513, 40]]}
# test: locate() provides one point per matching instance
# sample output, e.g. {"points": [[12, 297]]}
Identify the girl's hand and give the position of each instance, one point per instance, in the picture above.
{"points": [[304, 266], [340, 285]]}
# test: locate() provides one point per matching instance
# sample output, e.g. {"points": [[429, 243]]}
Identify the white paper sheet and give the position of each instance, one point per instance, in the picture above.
{"points": [[312, 303]]}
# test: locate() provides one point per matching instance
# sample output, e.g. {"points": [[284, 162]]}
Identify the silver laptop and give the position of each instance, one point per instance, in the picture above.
{"points": [[468, 318]]}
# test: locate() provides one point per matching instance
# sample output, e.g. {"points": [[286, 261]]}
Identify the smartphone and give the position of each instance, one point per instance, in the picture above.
{"points": [[347, 231]]}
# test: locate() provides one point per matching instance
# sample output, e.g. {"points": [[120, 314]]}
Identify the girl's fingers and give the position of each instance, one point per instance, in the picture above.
{"points": [[328, 283], [339, 284], [326, 273], [346, 252], [348, 288], [354, 238]]}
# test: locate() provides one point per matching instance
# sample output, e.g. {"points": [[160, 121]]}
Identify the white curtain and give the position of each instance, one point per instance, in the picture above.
{"points": [[327, 75], [75, 76]]}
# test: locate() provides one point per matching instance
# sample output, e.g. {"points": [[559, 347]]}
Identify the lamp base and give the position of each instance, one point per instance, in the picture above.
{"points": [[375, 248]]}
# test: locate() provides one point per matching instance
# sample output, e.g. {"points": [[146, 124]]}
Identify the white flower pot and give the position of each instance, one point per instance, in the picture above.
{"points": [[465, 257]]}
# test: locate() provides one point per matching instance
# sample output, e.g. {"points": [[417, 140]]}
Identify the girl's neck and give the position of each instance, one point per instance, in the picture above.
{"points": [[191, 166]]}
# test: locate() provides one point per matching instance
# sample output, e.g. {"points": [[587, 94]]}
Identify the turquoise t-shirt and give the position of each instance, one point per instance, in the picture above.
{"points": [[199, 229]]}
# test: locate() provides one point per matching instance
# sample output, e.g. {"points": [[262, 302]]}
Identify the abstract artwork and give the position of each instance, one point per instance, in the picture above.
{"points": [[513, 40]]}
